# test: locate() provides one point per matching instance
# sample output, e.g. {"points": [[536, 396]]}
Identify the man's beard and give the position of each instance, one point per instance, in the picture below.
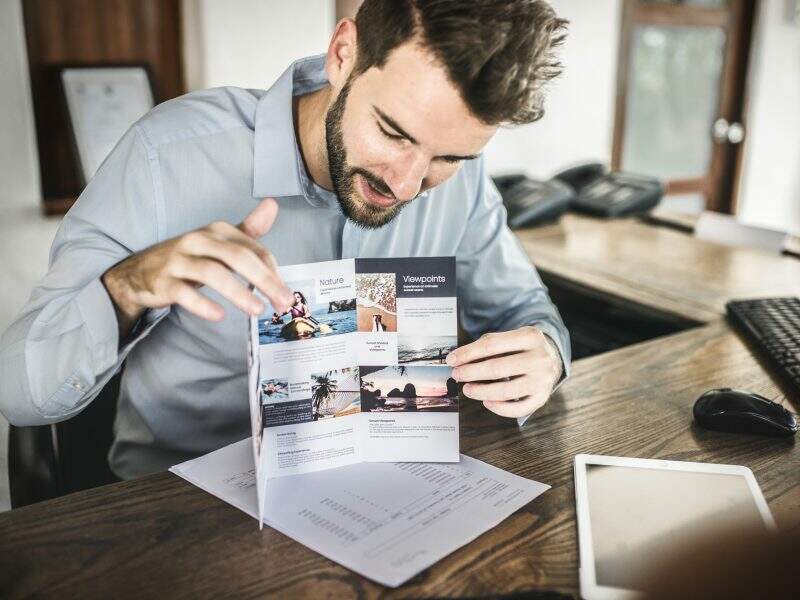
{"points": [[353, 206]]}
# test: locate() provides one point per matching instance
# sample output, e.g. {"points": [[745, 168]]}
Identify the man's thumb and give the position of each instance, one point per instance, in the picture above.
{"points": [[259, 222]]}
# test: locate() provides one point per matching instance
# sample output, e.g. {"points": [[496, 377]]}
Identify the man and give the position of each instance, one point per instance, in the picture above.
{"points": [[372, 150]]}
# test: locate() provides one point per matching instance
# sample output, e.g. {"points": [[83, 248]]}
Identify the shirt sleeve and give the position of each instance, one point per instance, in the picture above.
{"points": [[499, 287], [64, 345]]}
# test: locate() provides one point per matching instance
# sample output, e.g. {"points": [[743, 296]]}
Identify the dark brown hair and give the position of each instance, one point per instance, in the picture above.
{"points": [[499, 53]]}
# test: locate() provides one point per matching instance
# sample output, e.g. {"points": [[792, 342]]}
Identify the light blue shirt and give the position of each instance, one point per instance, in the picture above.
{"points": [[209, 156]]}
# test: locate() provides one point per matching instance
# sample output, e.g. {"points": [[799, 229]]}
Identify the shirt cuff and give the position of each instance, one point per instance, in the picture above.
{"points": [[102, 325], [85, 383], [100, 319]]}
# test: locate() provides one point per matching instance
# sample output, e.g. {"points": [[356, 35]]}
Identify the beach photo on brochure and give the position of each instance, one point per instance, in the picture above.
{"points": [[307, 318], [274, 390], [408, 389], [376, 297], [425, 349]]}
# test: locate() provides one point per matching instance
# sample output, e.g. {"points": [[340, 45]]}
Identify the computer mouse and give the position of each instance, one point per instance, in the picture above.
{"points": [[737, 411]]}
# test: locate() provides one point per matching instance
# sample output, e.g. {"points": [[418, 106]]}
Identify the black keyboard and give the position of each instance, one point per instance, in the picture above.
{"points": [[773, 325]]}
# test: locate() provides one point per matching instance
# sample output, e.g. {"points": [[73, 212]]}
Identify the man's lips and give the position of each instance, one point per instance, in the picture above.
{"points": [[371, 194]]}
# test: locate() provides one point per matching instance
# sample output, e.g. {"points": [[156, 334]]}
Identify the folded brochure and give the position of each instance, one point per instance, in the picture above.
{"points": [[355, 370]]}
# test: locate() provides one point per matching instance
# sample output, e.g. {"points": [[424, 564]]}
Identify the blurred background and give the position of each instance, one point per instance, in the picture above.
{"points": [[702, 94]]}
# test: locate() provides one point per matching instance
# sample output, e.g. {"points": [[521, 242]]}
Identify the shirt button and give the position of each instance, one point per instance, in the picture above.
{"points": [[78, 385]]}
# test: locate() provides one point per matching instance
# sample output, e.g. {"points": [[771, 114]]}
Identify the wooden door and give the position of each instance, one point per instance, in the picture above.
{"points": [[680, 89]]}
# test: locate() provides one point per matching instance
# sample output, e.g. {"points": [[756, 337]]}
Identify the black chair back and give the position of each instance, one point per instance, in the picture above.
{"points": [[52, 460]]}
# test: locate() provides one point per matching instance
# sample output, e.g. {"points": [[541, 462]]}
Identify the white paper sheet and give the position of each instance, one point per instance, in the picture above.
{"points": [[385, 521]]}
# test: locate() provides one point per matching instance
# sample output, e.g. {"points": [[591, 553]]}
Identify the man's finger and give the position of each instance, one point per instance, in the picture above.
{"points": [[494, 368], [521, 408], [490, 344], [226, 231], [215, 276], [499, 391], [196, 303], [245, 262], [259, 222]]}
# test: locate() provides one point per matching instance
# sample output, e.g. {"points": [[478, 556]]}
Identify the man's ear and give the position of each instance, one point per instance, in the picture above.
{"points": [[341, 58]]}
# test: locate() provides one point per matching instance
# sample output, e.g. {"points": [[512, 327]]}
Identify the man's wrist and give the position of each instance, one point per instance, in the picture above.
{"points": [[128, 313], [555, 354]]}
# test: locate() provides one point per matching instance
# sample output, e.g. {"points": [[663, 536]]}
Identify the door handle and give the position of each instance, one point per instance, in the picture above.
{"points": [[724, 132]]}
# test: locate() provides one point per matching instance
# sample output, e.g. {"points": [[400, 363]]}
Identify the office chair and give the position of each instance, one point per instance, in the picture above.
{"points": [[53, 460]]}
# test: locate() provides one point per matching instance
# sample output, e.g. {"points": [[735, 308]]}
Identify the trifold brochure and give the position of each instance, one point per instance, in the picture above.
{"points": [[355, 370]]}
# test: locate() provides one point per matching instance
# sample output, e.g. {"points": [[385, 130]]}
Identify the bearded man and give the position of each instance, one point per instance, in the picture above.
{"points": [[372, 150]]}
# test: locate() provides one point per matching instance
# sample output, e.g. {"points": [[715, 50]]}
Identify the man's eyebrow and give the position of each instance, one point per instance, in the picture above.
{"points": [[393, 124]]}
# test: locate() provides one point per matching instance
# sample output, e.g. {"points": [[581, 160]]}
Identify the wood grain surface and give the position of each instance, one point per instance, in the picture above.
{"points": [[658, 267], [160, 536]]}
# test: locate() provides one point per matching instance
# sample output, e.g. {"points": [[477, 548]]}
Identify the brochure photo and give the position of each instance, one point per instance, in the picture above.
{"points": [[355, 371]]}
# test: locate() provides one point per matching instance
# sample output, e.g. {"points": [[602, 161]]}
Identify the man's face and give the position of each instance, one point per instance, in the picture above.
{"points": [[395, 132]]}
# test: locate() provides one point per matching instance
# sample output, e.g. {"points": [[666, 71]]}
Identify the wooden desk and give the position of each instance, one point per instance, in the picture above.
{"points": [[661, 268], [160, 535]]}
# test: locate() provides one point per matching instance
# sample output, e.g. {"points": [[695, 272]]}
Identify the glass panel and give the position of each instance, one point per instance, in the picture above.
{"points": [[672, 99], [688, 204], [641, 516]]}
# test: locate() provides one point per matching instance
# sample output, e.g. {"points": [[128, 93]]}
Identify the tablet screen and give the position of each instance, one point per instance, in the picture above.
{"points": [[638, 515]]}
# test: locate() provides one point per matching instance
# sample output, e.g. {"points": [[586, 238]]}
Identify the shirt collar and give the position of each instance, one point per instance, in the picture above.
{"points": [[278, 168]]}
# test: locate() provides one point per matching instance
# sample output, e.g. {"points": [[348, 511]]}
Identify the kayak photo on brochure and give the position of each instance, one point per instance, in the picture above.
{"points": [[307, 319], [354, 371]]}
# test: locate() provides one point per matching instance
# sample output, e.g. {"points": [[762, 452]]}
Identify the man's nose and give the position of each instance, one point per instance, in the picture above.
{"points": [[405, 178]]}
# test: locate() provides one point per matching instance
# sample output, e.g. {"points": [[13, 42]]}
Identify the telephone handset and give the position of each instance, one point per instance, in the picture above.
{"points": [[579, 176]]}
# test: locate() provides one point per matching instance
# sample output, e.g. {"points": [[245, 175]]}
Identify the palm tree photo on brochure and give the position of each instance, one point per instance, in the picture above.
{"points": [[335, 393]]}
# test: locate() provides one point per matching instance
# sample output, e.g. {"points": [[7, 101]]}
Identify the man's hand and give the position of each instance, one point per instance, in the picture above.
{"points": [[170, 272], [512, 372]]}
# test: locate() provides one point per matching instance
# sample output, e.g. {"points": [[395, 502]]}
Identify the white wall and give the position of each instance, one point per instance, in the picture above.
{"points": [[21, 226], [249, 43], [19, 167], [579, 112], [769, 190]]}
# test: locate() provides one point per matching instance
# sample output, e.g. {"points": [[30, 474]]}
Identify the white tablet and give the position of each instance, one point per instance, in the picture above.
{"points": [[631, 511]]}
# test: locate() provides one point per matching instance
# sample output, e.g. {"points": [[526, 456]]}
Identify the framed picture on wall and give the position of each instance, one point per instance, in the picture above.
{"points": [[102, 103]]}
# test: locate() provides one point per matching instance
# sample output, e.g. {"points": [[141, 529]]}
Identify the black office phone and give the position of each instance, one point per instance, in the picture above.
{"points": [[532, 202], [587, 188], [619, 194]]}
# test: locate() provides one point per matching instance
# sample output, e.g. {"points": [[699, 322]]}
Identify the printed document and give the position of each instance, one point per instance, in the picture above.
{"points": [[385, 521], [354, 371]]}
